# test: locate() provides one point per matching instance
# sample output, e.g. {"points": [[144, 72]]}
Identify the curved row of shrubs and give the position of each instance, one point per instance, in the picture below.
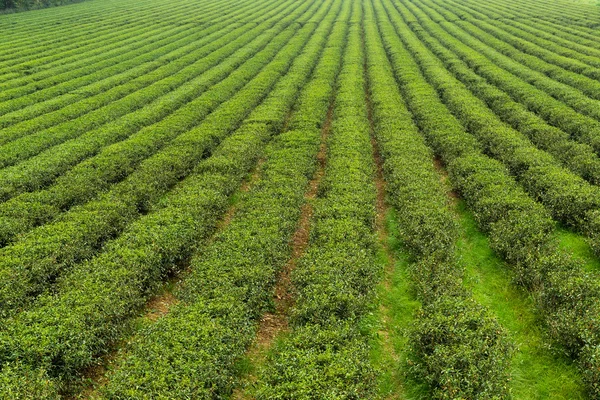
{"points": [[149, 130], [550, 51], [43, 32], [70, 63], [578, 157], [43, 67], [578, 82], [566, 36], [567, 196], [16, 94], [574, 32], [148, 83], [560, 105], [567, 54], [566, 39], [42, 39], [582, 17], [150, 53], [82, 167], [93, 112]]}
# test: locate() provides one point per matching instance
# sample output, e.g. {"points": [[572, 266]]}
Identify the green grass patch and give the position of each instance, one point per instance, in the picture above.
{"points": [[394, 318], [539, 371], [578, 245]]}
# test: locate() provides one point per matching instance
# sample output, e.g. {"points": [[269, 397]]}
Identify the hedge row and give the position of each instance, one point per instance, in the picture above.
{"points": [[585, 22], [40, 70], [537, 95], [550, 51], [94, 81], [588, 39], [42, 32], [52, 72], [326, 354], [576, 41], [24, 50], [16, 6], [31, 265], [566, 54], [85, 25], [577, 157], [516, 12], [98, 297], [577, 84], [115, 97], [28, 70], [497, 10], [580, 16], [566, 38], [125, 69], [95, 301], [466, 357], [228, 289], [520, 230], [53, 80]]}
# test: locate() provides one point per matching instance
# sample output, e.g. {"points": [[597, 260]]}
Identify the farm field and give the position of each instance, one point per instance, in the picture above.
{"points": [[300, 199]]}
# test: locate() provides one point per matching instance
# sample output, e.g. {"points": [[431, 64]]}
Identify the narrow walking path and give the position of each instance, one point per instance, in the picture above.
{"points": [[579, 246], [385, 354]]}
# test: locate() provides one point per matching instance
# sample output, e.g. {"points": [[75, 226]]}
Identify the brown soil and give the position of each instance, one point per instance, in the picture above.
{"points": [[439, 166], [159, 306]]}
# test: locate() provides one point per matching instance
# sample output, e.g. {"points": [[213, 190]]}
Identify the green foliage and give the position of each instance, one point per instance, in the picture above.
{"points": [[320, 362], [204, 85], [21, 383], [23, 5], [520, 230], [116, 283], [126, 129], [578, 157], [568, 197], [462, 351]]}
